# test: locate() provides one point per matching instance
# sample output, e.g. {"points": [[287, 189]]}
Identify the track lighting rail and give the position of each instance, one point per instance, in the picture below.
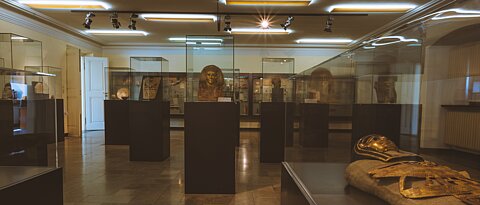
{"points": [[220, 13]]}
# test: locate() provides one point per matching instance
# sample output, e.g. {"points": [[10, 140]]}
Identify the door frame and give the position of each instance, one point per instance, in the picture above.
{"points": [[83, 80]]}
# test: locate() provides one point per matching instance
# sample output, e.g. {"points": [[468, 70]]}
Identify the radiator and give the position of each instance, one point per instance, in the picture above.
{"points": [[462, 130]]}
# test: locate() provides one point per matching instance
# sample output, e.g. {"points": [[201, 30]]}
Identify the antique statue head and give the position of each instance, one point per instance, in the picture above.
{"points": [[385, 89], [320, 84], [211, 84], [276, 82], [212, 76]]}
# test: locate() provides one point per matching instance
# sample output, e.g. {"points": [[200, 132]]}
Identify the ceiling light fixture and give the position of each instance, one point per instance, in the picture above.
{"points": [[370, 8], [88, 20], [329, 24], [265, 24], [268, 3], [180, 17], [133, 21], [18, 38], [325, 40], [78, 5], [114, 20], [260, 31], [395, 39], [183, 39], [117, 32], [287, 23], [228, 23]]}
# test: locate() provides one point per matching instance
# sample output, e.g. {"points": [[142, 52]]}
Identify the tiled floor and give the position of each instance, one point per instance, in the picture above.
{"points": [[99, 174]]}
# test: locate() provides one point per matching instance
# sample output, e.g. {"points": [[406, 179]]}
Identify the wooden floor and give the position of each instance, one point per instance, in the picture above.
{"points": [[98, 174]]}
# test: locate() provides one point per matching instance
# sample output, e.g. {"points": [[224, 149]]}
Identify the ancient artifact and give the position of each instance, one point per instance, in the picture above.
{"points": [[401, 177], [277, 91], [385, 89], [319, 85], [211, 84], [123, 93], [150, 86], [37, 87]]}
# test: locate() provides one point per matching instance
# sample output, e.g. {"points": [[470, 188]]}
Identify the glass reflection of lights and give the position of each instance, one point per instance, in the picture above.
{"points": [[450, 14], [399, 39]]}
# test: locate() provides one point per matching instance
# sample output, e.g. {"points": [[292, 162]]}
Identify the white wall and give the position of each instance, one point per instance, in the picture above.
{"points": [[248, 60]]}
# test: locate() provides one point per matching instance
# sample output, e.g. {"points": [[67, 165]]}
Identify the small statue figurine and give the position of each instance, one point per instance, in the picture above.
{"points": [[211, 84], [277, 91], [319, 85], [385, 89]]}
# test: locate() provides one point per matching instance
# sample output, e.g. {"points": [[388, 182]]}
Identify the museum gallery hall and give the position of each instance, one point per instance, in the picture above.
{"points": [[239, 102]]}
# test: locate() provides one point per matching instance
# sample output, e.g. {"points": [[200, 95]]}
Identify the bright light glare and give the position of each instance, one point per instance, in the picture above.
{"points": [[18, 38], [325, 40], [265, 24], [371, 7], [54, 4]]}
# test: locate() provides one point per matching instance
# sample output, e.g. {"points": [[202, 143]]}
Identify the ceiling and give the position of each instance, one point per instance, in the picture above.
{"points": [[353, 27]]}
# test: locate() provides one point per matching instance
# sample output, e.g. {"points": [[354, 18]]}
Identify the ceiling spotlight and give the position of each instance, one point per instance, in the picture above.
{"points": [[133, 22], [328, 24], [287, 23], [228, 23], [114, 20], [265, 24], [88, 20]]}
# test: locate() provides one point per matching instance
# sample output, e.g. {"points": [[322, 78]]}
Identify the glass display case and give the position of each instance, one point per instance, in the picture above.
{"points": [[149, 79], [277, 85], [415, 89], [28, 118], [244, 93], [118, 87], [210, 69], [58, 93], [17, 51], [257, 93]]}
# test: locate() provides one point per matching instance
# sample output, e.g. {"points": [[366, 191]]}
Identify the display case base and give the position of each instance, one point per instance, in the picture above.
{"points": [[117, 127], [31, 185], [210, 140], [314, 121], [149, 130], [276, 130]]}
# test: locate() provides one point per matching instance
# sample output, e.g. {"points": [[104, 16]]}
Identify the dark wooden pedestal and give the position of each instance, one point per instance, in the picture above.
{"points": [[27, 147], [149, 130], [276, 130], [210, 140], [31, 185], [117, 127], [383, 119], [237, 125], [314, 120], [60, 120]]}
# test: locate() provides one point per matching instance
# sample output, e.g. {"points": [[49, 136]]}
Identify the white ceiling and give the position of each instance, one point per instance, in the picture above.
{"points": [[352, 27]]}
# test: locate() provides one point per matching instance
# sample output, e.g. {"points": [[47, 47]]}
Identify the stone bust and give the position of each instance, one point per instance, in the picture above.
{"points": [[385, 89], [211, 84], [319, 85]]}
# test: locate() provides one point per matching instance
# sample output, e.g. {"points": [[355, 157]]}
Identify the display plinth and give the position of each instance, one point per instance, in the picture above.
{"points": [[383, 119], [314, 121], [210, 147], [276, 130], [31, 185], [237, 126], [117, 126], [149, 130], [60, 120]]}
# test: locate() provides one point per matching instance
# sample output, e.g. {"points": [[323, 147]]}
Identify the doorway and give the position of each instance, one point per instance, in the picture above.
{"points": [[93, 92]]}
